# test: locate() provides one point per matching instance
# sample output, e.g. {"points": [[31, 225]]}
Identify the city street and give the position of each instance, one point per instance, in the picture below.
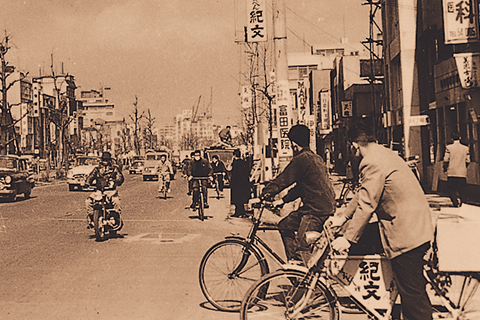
{"points": [[52, 267]]}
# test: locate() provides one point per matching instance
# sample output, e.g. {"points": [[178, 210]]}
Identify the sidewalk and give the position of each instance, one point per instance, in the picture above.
{"points": [[439, 204]]}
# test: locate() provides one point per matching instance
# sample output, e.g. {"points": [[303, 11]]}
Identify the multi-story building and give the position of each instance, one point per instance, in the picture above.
{"points": [[432, 55], [96, 105], [20, 98], [194, 131], [55, 106]]}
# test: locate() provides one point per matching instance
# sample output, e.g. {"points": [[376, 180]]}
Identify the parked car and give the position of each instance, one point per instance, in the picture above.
{"points": [[136, 167], [81, 169], [14, 177]]}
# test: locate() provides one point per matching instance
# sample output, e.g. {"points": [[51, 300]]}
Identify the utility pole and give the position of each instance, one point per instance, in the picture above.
{"points": [[282, 86]]}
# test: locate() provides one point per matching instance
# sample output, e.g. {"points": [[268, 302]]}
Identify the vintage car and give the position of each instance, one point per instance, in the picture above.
{"points": [[151, 162], [136, 167], [82, 167], [14, 177]]}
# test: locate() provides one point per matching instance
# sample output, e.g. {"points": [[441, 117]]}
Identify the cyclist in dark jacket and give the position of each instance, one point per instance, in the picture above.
{"points": [[312, 184], [199, 167], [219, 171]]}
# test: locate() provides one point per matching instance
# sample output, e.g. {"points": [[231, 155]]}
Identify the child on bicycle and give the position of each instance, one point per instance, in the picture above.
{"points": [[199, 167], [164, 170]]}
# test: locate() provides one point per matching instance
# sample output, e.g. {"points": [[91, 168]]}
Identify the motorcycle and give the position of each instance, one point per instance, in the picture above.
{"points": [[105, 218]]}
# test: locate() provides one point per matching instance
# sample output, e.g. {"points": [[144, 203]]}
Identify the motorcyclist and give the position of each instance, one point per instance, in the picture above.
{"points": [[199, 168], [110, 172], [164, 169]]}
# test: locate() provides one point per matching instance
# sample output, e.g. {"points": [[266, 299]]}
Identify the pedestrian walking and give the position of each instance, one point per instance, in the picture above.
{"points": [[455, 163], [240, 186]]}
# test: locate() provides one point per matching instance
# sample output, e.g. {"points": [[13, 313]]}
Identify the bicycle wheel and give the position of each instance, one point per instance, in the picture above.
{"points": [[462, 293], [278, 295], [223, 285]]}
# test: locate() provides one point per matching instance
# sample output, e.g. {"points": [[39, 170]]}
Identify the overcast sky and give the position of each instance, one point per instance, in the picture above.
{"points": [[167, 53]]}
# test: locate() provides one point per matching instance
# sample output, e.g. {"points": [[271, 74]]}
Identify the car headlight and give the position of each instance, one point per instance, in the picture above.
{"points": [[70, 174], [8, 179]]}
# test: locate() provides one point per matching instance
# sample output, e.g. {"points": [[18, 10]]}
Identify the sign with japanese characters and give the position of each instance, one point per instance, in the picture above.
{"points": [[347, 109], [421, 120], [467, 66], [283, 105], [460, 21], [370, 280], [257, 25], [246, 97], [325, 113]]}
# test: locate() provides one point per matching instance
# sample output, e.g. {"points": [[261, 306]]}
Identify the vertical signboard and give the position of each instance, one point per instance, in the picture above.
{"points": [[256, 26], [283, 105], [460, 21], [347, 109], [246, 97], [325, 113], [302, 101], [467, 66]]}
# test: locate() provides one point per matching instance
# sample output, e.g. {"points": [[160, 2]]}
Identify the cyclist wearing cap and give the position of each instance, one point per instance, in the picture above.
{"points": [[308, 172], [199, 167], [111, 173]]}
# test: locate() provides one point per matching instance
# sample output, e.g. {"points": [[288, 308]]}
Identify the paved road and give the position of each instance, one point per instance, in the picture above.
{"points": [[51, 267]]}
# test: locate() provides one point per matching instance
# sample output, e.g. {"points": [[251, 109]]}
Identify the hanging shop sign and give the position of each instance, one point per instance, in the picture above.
{"points": [[246, 97], [325, 114], [302, 101], [460, 21], [347, 109], [420, 120], [467, 66], [257, 25]]}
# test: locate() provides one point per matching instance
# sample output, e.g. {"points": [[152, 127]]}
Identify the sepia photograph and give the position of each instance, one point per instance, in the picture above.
{"points": [[240, 159]]}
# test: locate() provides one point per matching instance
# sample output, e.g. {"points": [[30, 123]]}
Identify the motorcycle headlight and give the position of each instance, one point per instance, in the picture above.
{"points": [[8, 179]]}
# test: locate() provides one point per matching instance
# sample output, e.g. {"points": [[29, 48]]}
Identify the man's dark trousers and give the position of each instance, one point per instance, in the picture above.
{"points": [[408, 271]]}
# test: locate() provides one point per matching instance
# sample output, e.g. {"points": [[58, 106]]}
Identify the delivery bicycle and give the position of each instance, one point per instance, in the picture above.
{"points": [[298, 292]]}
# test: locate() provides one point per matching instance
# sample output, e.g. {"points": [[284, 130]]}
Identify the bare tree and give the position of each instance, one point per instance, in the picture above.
{"points": [[136, 117], [149, 130], [8, 135], [125, 138], [190, 141]]}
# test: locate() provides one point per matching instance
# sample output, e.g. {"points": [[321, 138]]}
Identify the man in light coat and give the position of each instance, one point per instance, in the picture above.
{"points": [[390, 190], [455, 163]]}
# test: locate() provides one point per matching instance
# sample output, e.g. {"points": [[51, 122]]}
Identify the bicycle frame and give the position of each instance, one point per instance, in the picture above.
{"points": [[251, 243]]}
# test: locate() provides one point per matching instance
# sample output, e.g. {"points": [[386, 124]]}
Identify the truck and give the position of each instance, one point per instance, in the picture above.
{"points": [[224, 154]]}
